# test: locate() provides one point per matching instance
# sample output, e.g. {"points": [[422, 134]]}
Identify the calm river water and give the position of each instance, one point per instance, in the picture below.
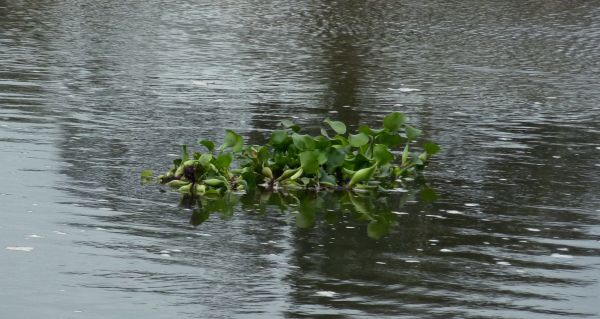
{"points": [[92, 92]]}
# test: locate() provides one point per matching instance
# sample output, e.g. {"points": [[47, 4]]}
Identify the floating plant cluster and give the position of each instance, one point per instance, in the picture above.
{"points": [[294, 160]]}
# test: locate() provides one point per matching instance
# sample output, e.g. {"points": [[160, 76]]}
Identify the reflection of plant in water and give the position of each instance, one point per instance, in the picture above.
{"points": [[309, 208], [291, 160]]}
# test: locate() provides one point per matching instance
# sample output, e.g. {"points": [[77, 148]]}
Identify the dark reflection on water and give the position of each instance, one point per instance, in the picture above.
{"points": [[92, 92]]}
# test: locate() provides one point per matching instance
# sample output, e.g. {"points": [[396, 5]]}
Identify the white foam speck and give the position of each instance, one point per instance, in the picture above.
{"points": [[203, 234], [17, 248], [556, 255], [562, 249], [165, 255], [471, 204], [325, 293], [350, 227], [532, 229], [454, 212], [411, 261], [100, 228], [380, 263], [399, 190], [503, 263], [59, 232], [434, 240], [486, 242], [444, 250], [333, 112], [175, 250], [400, 213], [34, 236]]}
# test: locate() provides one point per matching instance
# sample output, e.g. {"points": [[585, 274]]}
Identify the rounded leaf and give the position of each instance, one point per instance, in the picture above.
{"points": [[382, 154], [358, 140], [394, 121], [309, 161], [337, 126]]}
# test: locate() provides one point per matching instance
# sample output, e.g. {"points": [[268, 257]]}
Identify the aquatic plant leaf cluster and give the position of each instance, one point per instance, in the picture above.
{"points": [[293, 159]]}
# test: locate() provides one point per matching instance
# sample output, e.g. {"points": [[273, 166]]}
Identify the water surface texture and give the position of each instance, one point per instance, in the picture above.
{"points": [[92, 92]]}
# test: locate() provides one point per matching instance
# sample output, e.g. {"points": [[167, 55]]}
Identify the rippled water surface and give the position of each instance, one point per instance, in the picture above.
{"points": [[92, 92]]}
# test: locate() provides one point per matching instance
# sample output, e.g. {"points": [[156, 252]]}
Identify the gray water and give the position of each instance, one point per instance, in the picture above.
{"points": [[92, 92]]}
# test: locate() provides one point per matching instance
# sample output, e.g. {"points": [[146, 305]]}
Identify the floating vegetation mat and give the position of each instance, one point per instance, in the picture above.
{"points": [[294, 160]]}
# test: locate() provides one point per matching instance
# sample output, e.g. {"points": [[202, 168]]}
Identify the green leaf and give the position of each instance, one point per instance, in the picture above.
{"points": [[337, 126], [412, 133], [303, 142], [289, 124], [208, 144], [309, 161], [405, 155], [389, 139], [362, 175], [205, 159], [393, 121], [431, 148], [335, 157], [324, 132], [263, 155], [358, 140], [279, 137], [321, 142], [184, 153], [233, 140], [322, 157], [146, 176], [224, 160], [382, 154]]}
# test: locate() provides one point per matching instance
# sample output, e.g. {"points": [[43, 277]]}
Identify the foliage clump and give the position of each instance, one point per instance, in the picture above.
{"points": [[293, 160]]}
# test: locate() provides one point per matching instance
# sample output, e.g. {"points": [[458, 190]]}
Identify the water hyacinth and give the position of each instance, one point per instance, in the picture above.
{"points": [[335, 160]]}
